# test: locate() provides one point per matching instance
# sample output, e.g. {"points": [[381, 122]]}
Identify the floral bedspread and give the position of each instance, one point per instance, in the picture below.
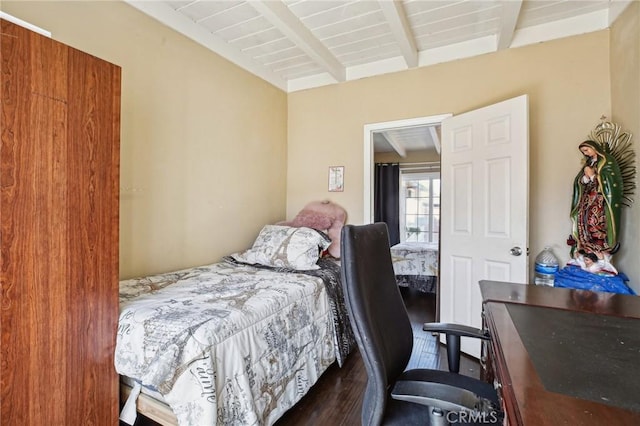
{"points": [[229, 343]]}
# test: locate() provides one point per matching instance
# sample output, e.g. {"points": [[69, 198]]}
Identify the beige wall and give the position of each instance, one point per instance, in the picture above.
{"points": [[203, 148], [201, 139], [567, 82], [625, 107]]}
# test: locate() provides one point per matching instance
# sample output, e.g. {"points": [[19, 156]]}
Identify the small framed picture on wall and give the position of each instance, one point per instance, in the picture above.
{"points": [[336, 178]]}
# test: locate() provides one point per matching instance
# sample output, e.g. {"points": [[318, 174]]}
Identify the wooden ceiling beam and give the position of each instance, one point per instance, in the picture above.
{"points": [[508, 21], [395, 144], [285, 21], [397, 19]]}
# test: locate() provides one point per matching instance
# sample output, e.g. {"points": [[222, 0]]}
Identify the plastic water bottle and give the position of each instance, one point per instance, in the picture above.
{"points": [[546, 267]]}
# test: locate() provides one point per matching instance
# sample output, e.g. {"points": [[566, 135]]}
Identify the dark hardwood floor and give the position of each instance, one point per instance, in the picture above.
{"points": [[336, 398]]}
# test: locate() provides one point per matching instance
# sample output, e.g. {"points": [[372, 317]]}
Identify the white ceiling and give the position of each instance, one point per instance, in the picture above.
{"points": [[404, 140], [300, 44]]}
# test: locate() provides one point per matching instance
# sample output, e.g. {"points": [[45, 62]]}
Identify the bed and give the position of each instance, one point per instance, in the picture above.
{"points": [[416, 265], [234, 342]]}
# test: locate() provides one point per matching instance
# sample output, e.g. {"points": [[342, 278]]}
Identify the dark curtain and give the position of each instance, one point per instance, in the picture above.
{"points": [[386, 206]]}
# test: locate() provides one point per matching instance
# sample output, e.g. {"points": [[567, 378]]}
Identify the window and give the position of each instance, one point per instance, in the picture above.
{"points": [[419, 207]]}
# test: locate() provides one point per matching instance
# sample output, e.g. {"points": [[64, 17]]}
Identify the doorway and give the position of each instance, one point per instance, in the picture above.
{"points": [[484, 221], [373, 132], [413, 147]]}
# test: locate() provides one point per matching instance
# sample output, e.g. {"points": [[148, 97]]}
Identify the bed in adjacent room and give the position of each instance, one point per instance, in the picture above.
{"points": [[238, 341], [415, 265]]}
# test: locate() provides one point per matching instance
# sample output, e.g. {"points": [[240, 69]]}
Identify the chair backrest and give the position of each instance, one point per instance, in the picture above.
{"points": [[378, 316]]}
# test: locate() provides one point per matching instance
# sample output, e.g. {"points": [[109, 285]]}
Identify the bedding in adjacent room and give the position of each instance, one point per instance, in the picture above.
{"points": [[416, 265]]}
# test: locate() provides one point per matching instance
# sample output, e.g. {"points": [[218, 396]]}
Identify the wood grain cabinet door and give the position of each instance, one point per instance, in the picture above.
{"points": [[59, 158]]}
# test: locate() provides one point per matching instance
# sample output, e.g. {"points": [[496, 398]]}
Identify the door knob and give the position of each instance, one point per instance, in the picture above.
{"points": [[516, 251]]}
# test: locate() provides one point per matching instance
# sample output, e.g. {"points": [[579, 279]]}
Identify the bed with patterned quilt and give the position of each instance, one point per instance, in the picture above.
{"points": [[415, 265], [239, 341]]}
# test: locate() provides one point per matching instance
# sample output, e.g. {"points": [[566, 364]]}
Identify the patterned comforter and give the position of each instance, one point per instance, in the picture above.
{"points": [[230, 343], [416, 265]]}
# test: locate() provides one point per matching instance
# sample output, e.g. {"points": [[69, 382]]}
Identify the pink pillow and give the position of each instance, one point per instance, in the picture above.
{"points": [[312, 219]]}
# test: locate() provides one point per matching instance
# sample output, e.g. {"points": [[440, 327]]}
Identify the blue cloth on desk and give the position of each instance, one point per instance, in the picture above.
{"points": [[575, 277]]}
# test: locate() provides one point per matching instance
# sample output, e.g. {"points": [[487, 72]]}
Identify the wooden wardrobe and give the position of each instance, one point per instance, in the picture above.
{"points": [[59, 190]]}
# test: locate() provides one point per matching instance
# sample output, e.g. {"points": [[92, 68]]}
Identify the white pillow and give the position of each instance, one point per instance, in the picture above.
{"points": [[286, 247]]}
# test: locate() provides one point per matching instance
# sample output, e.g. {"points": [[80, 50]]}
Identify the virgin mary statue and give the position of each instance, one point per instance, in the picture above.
{"points": [[600, 189]]}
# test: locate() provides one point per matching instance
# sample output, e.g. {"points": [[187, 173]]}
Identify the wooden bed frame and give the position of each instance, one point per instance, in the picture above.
{"points": [[150, 407]]}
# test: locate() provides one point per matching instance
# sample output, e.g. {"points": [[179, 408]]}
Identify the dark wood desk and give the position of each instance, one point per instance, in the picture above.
{"points": [[525, 398]]}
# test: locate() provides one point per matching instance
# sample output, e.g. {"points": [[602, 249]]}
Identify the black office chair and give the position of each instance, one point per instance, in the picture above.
{"points": [[385, 338]]}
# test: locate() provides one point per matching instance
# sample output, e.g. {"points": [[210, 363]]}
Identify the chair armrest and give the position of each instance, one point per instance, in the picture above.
{"points": [[439, 395], [456, 330]]}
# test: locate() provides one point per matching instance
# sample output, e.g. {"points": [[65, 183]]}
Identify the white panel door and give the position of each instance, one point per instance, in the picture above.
{"points": [[484, 212]]}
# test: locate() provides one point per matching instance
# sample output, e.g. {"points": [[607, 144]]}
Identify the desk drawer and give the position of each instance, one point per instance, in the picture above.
{"points": [[490, 372], [490, 369]]}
